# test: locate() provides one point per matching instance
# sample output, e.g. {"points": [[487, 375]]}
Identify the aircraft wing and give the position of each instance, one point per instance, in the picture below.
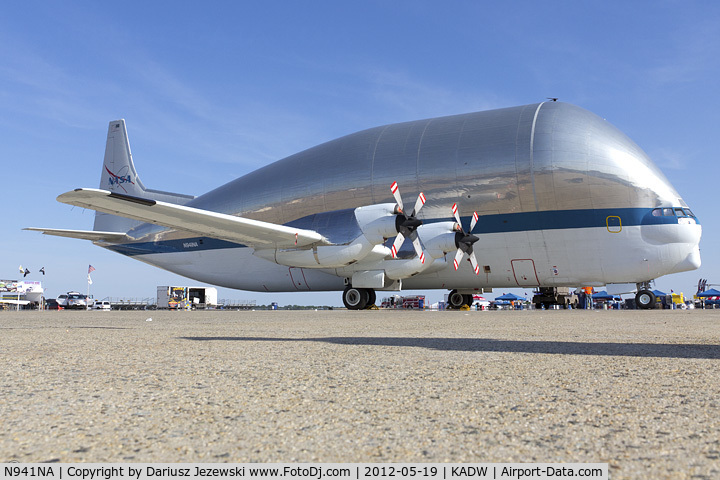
{"points": [[249, 232], [111, 237]]}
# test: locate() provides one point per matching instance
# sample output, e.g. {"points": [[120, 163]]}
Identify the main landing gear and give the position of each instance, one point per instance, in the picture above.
{"points": [[359, 298], [457, 300]]}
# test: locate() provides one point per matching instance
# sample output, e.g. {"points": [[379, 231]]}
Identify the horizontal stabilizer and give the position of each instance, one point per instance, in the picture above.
{"points": [[249, 232], [110, 237]]}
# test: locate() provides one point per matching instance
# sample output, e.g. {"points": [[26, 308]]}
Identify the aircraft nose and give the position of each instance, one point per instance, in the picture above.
{"points": [[691, 262]]}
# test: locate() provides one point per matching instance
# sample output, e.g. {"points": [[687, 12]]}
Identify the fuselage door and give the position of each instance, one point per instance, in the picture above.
{"points": [[525, 274]]}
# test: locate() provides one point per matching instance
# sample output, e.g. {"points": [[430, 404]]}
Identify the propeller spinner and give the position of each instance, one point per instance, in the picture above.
{"points": [[465, 240], [407, 225]]}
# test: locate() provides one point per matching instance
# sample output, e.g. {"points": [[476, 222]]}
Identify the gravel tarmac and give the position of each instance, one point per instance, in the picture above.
{"points": [[638, 390]]}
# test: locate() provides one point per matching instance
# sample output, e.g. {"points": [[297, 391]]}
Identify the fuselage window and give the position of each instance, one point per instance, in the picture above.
{"points": [[679, 212], [689, 212], [668, 212], [657, 212]]}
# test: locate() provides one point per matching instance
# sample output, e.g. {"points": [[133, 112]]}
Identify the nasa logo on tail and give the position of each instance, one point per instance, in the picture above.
{"points": [[118, 180]]}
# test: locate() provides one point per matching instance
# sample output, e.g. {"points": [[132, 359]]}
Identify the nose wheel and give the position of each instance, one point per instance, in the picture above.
{"points": [[645, 299]]}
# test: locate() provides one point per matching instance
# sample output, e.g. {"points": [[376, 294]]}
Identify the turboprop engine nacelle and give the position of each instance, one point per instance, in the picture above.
{"points": [[377, 223], [438, 238]]}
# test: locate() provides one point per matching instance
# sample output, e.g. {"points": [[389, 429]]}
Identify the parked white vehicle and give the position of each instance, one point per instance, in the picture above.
{"points": [[73, 300], [102, 305]]}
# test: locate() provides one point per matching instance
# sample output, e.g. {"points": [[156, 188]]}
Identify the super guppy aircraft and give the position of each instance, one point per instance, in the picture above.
{"points": [[543, 195]]}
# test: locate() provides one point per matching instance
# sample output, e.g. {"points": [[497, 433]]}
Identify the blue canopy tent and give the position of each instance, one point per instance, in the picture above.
{"points": [[605, 296], [511, 297], [706, 297], [658, 293], [709, 293]]}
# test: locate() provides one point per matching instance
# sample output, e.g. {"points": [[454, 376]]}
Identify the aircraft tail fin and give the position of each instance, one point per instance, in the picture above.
{"points": [[118, 172], [119, 176]]}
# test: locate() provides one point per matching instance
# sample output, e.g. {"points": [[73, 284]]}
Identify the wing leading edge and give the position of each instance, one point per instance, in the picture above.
{"points": [[246, 231]]}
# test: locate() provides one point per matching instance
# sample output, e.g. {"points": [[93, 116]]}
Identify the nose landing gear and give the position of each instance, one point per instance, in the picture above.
{"points": [[645, 299]]}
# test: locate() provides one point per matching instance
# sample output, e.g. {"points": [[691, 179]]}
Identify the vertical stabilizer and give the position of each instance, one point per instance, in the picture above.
{"points": [[118, 175]]}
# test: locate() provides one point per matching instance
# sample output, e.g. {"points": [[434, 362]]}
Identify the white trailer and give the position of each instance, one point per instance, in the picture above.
{"points": [[186, 298]]}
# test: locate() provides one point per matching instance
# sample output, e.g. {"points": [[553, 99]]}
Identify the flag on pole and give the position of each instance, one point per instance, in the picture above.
{"points": [[90, 269], [89, 280]]}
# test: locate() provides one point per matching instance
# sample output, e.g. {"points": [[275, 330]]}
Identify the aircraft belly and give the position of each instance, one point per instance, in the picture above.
{"points": [[238, 268]]}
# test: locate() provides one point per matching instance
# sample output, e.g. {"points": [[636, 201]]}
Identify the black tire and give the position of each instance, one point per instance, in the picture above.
{"points": [[455, 300], [372, 297], [645, 300], [468, 299], [355, 298]]}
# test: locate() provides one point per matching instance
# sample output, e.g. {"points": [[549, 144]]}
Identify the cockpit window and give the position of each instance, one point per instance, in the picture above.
{"points": [[673, 212]]}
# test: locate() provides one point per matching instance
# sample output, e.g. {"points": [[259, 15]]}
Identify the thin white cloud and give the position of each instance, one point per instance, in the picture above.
{"points": [[695, 53], [671, 159]]}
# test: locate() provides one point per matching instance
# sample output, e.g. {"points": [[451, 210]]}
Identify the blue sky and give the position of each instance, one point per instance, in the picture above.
{"points": [[213, 90]]}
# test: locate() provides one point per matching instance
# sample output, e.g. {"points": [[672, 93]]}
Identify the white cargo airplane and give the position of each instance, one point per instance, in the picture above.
{"points": [[545, 195]]}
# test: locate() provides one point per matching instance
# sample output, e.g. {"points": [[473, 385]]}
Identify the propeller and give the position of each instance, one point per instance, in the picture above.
{"points": [[465, 240], [406, 225]]}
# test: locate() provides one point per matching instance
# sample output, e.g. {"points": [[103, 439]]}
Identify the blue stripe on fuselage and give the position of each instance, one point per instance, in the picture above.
{"points": [[501, 223]]}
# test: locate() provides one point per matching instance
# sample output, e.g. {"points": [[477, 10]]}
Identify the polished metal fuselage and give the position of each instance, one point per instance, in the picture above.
{"points": [[540, 157], [547, 168]]}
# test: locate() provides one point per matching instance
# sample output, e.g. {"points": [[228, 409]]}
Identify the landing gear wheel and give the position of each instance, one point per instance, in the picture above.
{"points": [[645, 299], [355, 298], [468, 299], [372, 297], [456, 300]]}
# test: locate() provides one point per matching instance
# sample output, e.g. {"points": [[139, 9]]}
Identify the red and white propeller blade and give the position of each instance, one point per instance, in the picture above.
{"points": [[396, 193], [473, 261], [456, 214], [458, 259], [473, 222], [418, 248], [418, 204], [397, 244]]}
